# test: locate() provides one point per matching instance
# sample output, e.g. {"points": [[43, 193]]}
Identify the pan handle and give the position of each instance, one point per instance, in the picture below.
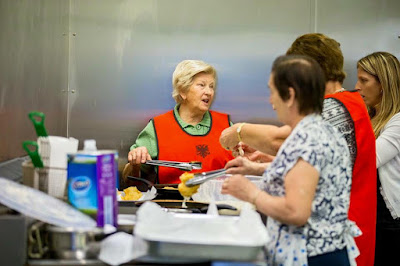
{"points": [[147, 182]]}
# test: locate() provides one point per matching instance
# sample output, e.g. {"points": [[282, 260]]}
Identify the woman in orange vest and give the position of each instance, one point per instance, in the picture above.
{"points": [[189, 132], [344, 110]]}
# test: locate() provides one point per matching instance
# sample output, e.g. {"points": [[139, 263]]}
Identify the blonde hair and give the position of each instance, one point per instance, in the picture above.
{"points": [[385, 67], [184, 73]]}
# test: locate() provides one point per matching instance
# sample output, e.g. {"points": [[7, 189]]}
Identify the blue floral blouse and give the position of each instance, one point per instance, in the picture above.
{"points": [[327, 229]]}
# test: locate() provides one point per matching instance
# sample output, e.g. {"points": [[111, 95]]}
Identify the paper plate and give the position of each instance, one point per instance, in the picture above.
{"points": [[36, 204]]}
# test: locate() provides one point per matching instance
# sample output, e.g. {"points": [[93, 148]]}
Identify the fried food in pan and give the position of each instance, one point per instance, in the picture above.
{"points": [[185, 191], [131, 193]]}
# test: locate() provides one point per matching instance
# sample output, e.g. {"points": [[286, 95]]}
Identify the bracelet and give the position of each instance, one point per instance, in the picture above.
{"points": [[255, 197], [238, 131]]}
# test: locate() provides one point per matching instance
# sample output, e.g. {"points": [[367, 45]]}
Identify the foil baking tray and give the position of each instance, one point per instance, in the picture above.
{"points": [[201, 236], [202, 251]]}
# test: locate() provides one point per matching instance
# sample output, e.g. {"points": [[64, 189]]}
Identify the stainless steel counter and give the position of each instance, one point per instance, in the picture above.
{"points": [[147, 260], [150, 259]]}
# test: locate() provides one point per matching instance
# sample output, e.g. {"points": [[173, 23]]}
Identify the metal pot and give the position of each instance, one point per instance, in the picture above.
{"points": [[71, 243]]}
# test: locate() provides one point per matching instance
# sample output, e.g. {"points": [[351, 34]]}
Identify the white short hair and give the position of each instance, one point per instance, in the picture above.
{"points": [[184, 73]]}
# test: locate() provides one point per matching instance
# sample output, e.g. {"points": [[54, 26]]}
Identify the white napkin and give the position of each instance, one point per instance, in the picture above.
{"points": [[212, 209], [108, 229], [122, 247], [149, 195]]}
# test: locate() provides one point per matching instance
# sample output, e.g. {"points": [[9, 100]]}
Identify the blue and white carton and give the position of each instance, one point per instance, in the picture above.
{"points": [[91, 184]]}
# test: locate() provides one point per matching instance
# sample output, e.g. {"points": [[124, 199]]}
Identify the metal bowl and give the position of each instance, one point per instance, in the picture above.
{"points": [[72, 243]]}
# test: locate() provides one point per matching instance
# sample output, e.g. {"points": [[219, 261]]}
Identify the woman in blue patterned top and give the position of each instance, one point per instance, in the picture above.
{"points": [[307, 186]]}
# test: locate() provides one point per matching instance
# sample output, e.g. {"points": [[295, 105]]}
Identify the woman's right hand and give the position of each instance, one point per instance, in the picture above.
{"points": [[228, 138], [260, 157], [138, 155]]}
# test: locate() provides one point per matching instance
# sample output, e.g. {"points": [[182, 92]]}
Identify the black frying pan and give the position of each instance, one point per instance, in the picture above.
{"points": [[162, 192], [165, 193], [172, 199]]}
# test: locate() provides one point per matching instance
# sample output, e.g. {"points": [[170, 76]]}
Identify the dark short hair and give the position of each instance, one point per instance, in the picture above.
{"points": [[305, 76], [326, 51]]}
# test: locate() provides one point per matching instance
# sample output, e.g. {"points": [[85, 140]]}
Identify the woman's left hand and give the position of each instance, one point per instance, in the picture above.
{"points": [[239, 187], [228, 138], [243, 166]]}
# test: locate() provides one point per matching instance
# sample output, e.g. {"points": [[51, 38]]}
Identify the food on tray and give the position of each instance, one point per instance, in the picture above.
{"points": [[185, 191], [131, 193], [170, 188]]}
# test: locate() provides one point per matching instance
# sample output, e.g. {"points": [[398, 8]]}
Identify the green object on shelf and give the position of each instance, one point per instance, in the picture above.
{"points": [[37, 119], [33, 154]]}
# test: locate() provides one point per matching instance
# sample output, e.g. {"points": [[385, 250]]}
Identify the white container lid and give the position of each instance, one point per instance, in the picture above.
{"points": [[36, 204], [89, 145]]}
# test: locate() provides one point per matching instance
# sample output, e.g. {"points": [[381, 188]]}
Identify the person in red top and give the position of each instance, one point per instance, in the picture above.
{"points": [[204, 148], [189, 132], [346, 111]]}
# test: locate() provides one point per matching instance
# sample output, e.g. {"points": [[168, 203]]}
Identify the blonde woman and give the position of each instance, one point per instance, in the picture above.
{"points": [[379, 85], [190, 132]]}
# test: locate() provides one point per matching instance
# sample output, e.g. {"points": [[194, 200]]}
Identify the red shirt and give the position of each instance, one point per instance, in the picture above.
{"points": [[174, 144], [363, 196]]}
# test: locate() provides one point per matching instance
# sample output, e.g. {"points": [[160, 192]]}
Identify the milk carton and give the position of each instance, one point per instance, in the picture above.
{"points": [[91, 184]]}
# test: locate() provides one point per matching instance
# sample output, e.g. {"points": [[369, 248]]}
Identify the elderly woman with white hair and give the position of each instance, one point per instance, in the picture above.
{"points": [[189, 132]]}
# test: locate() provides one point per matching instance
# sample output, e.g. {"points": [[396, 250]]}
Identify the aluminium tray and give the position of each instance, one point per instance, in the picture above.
{"points": [[202, 251]]}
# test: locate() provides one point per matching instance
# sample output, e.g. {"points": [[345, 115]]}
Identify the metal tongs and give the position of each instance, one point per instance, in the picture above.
{"points": [[200, 178], [184, 166]]}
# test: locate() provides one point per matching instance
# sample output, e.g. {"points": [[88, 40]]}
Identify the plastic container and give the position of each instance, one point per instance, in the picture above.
{"points": [[36, 204], [211, 190], [52, 181]]}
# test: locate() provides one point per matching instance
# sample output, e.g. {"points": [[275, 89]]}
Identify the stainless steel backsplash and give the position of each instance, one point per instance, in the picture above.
{"points": [[102, 69]]}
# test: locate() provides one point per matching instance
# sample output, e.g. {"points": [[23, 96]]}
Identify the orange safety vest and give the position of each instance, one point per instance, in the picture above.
{"points": [[363, 198], [174, 144]]}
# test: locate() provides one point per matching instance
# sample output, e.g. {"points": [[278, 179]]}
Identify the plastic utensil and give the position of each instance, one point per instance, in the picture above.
{"points": [[37, 204], [204, 176], [37, 119], [33, 154]]}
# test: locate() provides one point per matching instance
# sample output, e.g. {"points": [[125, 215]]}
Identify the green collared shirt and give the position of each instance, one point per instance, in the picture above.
{"points": [[147, 137]]}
